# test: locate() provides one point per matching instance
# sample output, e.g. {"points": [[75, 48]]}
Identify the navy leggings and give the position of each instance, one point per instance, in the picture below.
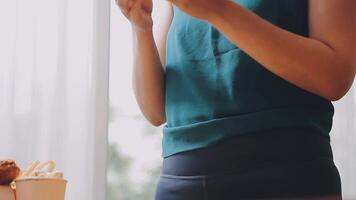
{"points": [[284, 163]]}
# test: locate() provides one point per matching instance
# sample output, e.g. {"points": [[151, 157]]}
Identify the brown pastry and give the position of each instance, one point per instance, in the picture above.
{"points": [[8, 171]]}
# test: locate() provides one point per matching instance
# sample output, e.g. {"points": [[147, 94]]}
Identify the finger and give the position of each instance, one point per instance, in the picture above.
{"points": [[119, 3], [135, 8], [130, 3], [125, 12], [126, 6], [124, 3], [137, 13]]}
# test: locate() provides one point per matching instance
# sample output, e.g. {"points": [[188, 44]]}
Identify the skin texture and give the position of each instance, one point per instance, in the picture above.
{"points": [[323, 63], [148, 72]]}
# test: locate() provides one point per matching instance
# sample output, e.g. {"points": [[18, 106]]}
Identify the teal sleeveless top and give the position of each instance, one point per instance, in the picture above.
{"points": [[215, 91]]}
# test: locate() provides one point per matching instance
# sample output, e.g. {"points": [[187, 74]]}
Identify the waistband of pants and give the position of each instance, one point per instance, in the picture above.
{"points": [[273, 146]]}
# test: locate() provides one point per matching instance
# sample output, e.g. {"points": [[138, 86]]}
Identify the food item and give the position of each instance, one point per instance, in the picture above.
{"points": [[9, 171], [38, 169], [39, 182]]}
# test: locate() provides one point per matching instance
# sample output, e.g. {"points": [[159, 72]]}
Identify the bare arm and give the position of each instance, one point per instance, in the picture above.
{"points": [[148, 78], [324, 64]]}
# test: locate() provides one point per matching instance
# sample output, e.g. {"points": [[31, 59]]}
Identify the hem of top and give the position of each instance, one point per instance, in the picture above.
{"points": [[203, 134]]}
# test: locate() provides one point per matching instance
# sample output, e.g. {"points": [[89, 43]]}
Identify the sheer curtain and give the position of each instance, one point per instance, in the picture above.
{"points": [[53, 88], [343, 140]]}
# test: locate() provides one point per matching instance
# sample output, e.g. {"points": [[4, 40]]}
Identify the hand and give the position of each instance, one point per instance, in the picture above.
{"points": [[138, 12], [202, 9]]}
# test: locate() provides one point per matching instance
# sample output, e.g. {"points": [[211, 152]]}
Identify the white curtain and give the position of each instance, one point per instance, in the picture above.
{"points": [[53, 88], [343, 140]]}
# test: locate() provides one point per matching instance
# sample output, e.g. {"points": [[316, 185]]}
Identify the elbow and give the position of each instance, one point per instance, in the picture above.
{"points": [[157, 120], [157, 123], [339, 80], [336, 96], [339, 88]]}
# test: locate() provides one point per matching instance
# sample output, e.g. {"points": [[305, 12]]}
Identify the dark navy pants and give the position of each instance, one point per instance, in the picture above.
{"points": [[284, 163]]}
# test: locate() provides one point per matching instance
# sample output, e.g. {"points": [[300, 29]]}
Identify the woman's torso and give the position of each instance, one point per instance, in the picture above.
{"points": [[215, 90]]}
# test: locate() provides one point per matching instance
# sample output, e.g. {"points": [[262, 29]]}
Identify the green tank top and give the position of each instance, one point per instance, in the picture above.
{"points": [[215, 91]]}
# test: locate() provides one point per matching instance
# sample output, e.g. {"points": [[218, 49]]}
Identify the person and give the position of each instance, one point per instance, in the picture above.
{"points": [[245, 88]]}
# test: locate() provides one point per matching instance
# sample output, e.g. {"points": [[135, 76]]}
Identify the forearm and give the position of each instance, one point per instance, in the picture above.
{"points": [[148, 77], [305, 62]]}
